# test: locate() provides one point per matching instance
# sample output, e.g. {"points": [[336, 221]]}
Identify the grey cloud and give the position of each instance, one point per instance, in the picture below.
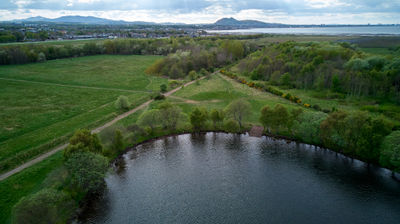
{"points": [[185, 6]]}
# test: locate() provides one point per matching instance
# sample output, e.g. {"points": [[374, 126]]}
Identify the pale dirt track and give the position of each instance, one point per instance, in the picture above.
{"points": [[96, 130]]}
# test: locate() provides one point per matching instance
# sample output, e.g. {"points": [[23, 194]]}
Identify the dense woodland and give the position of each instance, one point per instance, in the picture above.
{"points": [[339, 67]]}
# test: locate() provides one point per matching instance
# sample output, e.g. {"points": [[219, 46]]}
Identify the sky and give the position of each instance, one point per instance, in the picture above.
{"points": [[209, 11]]}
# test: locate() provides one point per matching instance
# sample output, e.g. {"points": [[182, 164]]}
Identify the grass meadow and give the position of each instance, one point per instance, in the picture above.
{"points": [[42, 104], [44, 101]]}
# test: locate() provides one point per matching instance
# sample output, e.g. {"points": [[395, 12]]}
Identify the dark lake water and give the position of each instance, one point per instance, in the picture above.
{"points": [[226, 178], [353, 30]]}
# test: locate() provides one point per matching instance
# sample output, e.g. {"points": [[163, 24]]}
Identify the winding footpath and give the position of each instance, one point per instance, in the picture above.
{"points": [[96, 130]]}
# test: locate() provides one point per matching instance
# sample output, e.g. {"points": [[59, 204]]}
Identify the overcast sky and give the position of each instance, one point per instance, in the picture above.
{"points": [[208, 11]]}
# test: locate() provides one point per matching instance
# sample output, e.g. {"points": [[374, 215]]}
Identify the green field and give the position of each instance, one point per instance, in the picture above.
{"points": [[44, 101]]}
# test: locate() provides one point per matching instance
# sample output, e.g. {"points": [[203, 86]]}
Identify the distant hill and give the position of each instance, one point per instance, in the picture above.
{"points": [[82, 20], [234, 23]]}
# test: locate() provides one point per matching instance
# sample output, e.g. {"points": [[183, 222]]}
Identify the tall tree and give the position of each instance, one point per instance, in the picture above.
{"points": [[198, 118], [239, 110]]}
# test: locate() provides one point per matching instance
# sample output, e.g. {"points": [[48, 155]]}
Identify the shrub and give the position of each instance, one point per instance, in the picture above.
{"points": [[41, 57], [231, 126], [45, 206], [390, 151], [83, 141], [159, 96], [122, 103], [163, 88], [316, 107], [192, 75]]}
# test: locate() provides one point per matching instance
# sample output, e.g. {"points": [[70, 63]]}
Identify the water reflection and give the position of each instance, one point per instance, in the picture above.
{"points": [[225, 178]]}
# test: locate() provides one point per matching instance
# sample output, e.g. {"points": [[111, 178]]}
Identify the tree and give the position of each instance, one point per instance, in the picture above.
{"points": [[281, 117], [122, 103], [308, 127], [118, 141], [87, 171], [198, 118], [170, 115], [239, 110], [150, 118], [390, 151], [266, 118], [45, 206], [336, 85], [332, 129], [217, 116], [163, 88], [83, 141]]}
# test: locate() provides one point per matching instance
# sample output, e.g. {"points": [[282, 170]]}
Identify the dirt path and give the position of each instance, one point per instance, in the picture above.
{"points": [[74, 86], [96, 130]]}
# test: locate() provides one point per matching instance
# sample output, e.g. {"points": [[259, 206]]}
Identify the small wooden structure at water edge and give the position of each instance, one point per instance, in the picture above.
{"points": [[256, 131]]}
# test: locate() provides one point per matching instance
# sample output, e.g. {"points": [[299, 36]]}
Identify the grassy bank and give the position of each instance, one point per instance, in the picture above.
{"points": [[43, 102]]}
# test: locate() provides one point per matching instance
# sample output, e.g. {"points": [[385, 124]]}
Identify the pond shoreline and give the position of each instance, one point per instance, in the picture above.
{"points": [[394, 175], [86, 203], [226, 155]]}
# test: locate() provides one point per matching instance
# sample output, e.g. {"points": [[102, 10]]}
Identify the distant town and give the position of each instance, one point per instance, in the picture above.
{"points": [[78, 27]]}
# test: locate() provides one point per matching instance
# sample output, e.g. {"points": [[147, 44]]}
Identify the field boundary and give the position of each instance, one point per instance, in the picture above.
{"points": [[96, 130], [73, 86]]}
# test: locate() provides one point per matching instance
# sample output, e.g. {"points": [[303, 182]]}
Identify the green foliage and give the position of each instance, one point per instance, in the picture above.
{"points": [[45, 206], [87, 171], [163, 88], [83, 141], [198, 118], [231, 126], [41, 57], [170, 115], [239, 110], [122, 103], [275, 119], [307, 128], [118, 141], [192, 75], [319, 65], [150, 118], [336, 85], [356, 134], [217, 116], [390, 151]]}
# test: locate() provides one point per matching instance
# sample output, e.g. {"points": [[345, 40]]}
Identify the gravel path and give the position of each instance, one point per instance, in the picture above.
{"points": [[96, 130]]}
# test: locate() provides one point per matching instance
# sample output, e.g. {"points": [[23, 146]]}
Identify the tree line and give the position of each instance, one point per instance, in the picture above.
{"points": [[338, 67], [30, 53]]}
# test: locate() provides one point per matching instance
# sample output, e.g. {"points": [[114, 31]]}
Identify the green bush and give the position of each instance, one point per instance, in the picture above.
{"points": [[231, 126], [45, 206], [122, 103], [163, 88], [83, 141], [87, 171], [390, 151]]}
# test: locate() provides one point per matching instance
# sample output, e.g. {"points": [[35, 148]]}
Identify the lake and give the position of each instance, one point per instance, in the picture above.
{"points": [[229, 178], [356, 30]]}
